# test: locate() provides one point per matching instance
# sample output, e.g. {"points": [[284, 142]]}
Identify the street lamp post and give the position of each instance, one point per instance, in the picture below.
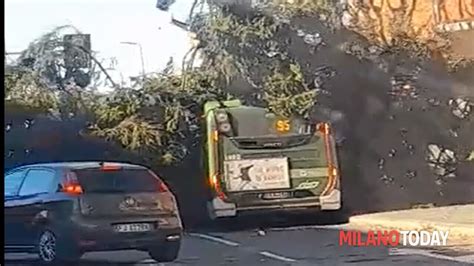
{"points": [[141, 55]]}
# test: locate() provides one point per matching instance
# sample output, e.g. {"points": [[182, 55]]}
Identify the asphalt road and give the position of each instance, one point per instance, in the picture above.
{"points": [[301, 246]]}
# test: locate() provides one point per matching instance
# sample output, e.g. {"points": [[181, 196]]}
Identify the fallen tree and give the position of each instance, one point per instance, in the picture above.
{"points": [[405, 111], [407, 122]]}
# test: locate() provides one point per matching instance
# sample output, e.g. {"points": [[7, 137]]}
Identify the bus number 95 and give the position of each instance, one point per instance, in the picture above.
{"points": [[283, 125]]}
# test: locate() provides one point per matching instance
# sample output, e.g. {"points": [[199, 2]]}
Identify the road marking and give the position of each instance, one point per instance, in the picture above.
{"points": [[149, 261], [275, 256], [466, 258], [216, 239], [235, 244], [428, 253]]}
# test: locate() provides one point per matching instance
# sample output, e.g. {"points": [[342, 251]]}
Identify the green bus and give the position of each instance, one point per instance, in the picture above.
{"points": [[257, 161]]}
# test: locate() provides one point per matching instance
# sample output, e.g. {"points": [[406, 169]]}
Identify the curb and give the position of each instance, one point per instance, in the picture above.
{"points": [[395, 221]]}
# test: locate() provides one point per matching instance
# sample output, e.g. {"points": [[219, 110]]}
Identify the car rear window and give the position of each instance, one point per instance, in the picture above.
{"points": [[117, 181]]}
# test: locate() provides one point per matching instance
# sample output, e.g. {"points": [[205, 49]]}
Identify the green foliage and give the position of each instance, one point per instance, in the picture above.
{"points": [[45, 56], [286, 93], [24, 87], [159, 117], [229, 42], [132, 132], [244, 30], [156, 118], [303, 7], [223, 35]]}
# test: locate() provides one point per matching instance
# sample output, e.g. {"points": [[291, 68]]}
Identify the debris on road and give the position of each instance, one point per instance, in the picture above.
{"points": [[387, 179], [381, 163], [392, 153], [313, 39], [403, 86], [410, 174], [441, 160], [261, 232], [460, 108]]}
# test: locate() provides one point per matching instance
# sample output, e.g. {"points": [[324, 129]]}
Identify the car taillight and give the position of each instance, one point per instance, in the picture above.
{"points": [[162, 187], [110, 167], [71, 184], [74, 189]]}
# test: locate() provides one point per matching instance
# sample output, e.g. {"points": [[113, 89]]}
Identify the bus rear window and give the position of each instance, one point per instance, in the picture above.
{"points": [[257, 123]]}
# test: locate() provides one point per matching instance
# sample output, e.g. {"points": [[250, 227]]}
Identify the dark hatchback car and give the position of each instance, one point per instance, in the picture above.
{"points": [[62, 210]]}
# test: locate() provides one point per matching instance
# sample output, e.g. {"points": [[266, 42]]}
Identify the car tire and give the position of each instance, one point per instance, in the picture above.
{"points": [[167, 252], [54, 251]]}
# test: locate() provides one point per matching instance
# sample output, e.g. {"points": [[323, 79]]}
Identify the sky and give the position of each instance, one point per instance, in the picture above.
{"points": [[109, 22]]}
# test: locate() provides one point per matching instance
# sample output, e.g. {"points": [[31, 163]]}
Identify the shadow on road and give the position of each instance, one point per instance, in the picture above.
{"points": [[273, 220], [30, 261]]}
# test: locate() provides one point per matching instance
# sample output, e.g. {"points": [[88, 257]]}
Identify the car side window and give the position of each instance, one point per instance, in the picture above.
{"points": [[37, 181], [13, 182]]}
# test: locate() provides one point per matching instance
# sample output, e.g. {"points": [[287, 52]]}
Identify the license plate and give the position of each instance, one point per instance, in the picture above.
{"points": [[126, 228], [276, 195]]}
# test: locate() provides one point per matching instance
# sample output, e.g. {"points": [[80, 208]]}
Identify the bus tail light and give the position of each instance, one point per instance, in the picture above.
{"points": [[216, 186], [214, 179], [333, 171]]}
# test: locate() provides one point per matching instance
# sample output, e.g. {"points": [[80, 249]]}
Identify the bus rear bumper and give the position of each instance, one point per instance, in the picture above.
{"points": [[331, 201], [218, 208]]}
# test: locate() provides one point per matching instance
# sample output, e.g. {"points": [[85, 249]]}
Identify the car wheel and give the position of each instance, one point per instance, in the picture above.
{"points": [[51, 252], [167, 252], [47, 252]]}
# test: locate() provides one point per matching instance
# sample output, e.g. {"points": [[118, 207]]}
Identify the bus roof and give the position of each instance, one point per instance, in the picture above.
{"points": [[215, 104]]}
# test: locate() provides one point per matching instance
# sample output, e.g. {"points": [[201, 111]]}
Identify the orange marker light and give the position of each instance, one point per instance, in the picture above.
{"points": [[323, 128]]}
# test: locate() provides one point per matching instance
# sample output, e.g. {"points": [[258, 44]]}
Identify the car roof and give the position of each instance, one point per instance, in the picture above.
{"points": [[80, 165]]}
